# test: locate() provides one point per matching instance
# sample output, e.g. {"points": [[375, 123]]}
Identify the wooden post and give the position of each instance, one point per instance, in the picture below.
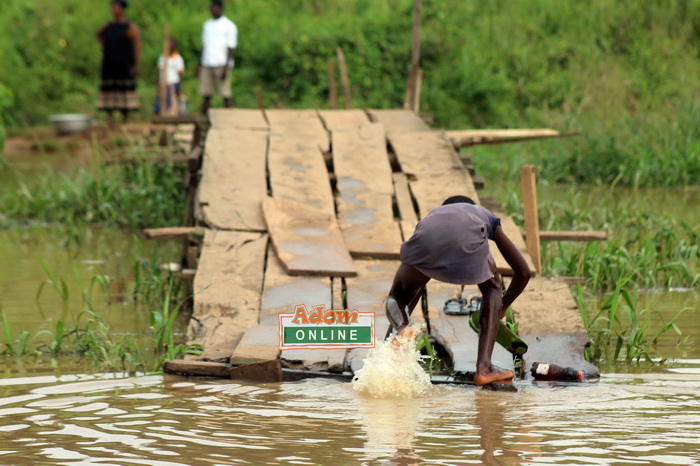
{"points": [[259, 98], [164, 75], [332, 88], [411, 83], [532, 225], [418, 82], [344, 78]]}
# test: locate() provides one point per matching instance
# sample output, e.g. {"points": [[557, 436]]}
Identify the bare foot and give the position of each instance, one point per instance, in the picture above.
{"points": [[407, 336], [486, 377]]}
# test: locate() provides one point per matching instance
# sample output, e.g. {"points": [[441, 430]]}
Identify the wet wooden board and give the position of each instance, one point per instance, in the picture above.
{"points": [[234, 180], [230, 118], [298, 171], [307, 241], [367, 293], [409, 219], [513, 232], [454, 332], [304, 125], [281, 293], [434, 169], [399, 121], [365, 210], [227, 291], [341, 119], [550, 321]]}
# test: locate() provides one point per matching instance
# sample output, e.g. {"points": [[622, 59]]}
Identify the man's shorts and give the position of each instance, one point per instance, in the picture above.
{"points": [[210, 80]]}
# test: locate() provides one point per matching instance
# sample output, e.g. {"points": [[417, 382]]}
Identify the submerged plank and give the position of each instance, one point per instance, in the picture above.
{"points": [[341, 119], [454, 332], [434, 169], [234, 180], [365, 210], [399, 120], [307, 241], [550, 321], [230, 118], [227, 291]]}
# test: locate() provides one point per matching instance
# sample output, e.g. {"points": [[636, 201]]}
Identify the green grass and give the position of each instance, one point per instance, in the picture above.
{"points": [[123, 195]]}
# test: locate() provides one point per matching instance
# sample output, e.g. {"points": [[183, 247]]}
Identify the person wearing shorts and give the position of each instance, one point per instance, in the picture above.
{"points": [[451, 245], [219, 42]]}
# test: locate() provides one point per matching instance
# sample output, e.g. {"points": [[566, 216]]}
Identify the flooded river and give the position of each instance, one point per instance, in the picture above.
{"points": [[651, 418], [55, 411]]}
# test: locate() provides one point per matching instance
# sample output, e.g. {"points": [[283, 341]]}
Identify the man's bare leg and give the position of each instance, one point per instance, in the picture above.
{"points": [[228, 102], [491, 305], [206, 101], [404, 294]]}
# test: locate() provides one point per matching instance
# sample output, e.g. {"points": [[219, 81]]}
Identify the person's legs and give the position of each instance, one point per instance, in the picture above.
{"points": [[125, 116], [228, 102], [206, 87], [404, 296], [225, 87], [491, 305]]}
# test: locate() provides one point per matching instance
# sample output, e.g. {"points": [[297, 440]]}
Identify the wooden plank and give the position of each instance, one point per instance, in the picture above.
{"points": [[572, 235], [201, 368], [409, 219], [298, 170], [262, 372], [365, 210], [367, 293], [173, 233], [550, 321], [281, 293], [233, 182], [180, 120], [242, 118], [399, 121], [304, 125], [341, 119], [454, 332], [307, 241], [434, 169], [227, 291], [513, 232], [532, 222]]}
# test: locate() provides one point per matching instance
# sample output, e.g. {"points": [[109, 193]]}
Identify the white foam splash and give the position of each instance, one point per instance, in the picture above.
{"points": [[391, 369]]}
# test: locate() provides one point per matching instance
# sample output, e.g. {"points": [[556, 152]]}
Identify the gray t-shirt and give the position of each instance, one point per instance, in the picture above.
{"points": [[451, 244]]}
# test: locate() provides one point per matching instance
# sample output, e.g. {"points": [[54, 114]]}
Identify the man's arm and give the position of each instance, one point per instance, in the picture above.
{"points": [[229, 63], [101, 34], [521, 271]]}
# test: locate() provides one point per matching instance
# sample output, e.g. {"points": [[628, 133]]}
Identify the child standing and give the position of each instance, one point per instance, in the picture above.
{"points": [[174, 71]]}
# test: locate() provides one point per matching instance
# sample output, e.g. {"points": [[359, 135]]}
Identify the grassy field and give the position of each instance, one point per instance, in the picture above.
{"points": [[624, 73]]}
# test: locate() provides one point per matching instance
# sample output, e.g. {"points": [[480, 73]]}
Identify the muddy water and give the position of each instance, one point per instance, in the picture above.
{"points": [[628, 419]]}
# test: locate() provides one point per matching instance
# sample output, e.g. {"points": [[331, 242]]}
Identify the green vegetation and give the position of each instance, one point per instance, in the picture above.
{"points": [[90, 337], [623, 73], [627, 338], [6, 99], [135, 195]]}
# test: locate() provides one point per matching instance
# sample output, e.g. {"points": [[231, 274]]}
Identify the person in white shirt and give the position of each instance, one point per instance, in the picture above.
{"points": [[219, 41], [173, 75]]}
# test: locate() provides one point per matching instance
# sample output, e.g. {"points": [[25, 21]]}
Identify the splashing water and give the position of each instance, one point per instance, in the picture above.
{"points": [[391, 369]]}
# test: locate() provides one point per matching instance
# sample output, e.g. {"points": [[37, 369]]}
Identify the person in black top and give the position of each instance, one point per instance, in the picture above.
{"points": [[121, 41]]}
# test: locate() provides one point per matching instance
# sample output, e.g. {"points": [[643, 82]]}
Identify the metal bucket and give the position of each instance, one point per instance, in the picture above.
{"points": [[71, 123]]}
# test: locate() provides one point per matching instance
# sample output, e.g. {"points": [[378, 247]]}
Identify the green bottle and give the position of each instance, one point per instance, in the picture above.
{"points": [[505, 337]]}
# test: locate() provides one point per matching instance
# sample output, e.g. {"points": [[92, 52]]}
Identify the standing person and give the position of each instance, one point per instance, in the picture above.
{"points": [[451, 245], [219, 41], [121, 60], [173, 76]]}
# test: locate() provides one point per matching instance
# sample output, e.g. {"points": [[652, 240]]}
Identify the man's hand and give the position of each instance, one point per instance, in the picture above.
{"points": [[224, 73], [136, 71]]}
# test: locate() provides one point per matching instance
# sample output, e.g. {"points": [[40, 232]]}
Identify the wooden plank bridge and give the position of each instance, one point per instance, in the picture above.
{"points": [[369, 176]]}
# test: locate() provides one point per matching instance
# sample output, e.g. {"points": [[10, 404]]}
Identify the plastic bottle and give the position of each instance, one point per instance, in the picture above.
{"points": [[543, 371]]}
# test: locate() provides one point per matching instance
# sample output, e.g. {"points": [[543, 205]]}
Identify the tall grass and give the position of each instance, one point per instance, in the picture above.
{"points": [[619, 330], [88, 335], [135, 195]]}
